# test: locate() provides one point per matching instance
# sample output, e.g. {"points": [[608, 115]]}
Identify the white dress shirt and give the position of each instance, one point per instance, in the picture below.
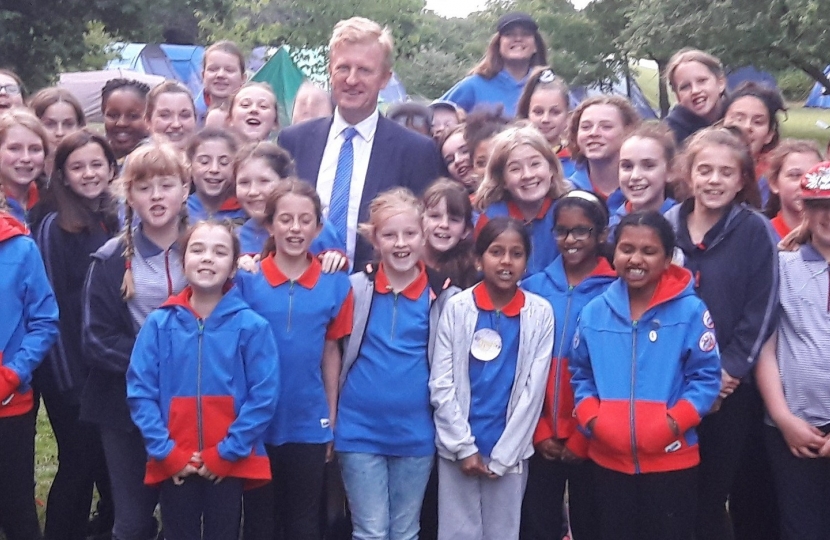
{"points": [[362, 145]]}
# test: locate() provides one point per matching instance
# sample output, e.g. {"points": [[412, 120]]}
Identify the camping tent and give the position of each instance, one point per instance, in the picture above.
{"points": [[285, 79], [621, 86], [817, 97], [87, 85], [735, 77]]}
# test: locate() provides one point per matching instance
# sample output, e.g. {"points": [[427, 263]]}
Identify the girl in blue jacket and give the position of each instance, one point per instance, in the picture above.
{"points": [[579, 274], [645, 369], [28, 329], [309, 312], [202, 387], [24, 145], [211, 153], [523, 180]]}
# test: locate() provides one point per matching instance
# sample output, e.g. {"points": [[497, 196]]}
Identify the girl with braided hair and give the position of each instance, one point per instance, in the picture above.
{"points": [[123, 102], [130, 276]]}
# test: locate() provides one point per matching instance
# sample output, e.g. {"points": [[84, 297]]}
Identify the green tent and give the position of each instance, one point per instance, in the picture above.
{"points": [[285, 79]]}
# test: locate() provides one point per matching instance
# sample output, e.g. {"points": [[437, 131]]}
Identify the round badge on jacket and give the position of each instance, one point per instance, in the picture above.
{"points": [[486, 345]]}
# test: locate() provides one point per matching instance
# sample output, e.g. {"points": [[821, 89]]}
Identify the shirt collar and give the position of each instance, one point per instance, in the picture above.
{"points": [[413, 291], [483, 301], [515, 212], [366, 128], [811, 254], [274, 276], [145, 247]]}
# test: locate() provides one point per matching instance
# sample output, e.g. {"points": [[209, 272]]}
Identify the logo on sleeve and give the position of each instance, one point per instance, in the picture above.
{"points": [[576, 340], [707, 320], [707, 341]]}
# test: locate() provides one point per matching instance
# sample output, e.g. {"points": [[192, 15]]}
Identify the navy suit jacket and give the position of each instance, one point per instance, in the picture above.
{"points": [[399, 157]]}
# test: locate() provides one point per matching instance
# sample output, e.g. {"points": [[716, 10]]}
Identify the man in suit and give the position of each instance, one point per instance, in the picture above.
{"points": [[357, 153]]}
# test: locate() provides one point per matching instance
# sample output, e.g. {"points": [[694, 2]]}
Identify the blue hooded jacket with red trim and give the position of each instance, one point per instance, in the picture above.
{"points": [[630, 377], [204, 385], [557, 420], [29, 320]]}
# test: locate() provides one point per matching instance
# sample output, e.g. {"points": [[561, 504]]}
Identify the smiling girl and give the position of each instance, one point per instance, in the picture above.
{"points": [[646, 171], [202, 386], [253, 112], [448, 227], [12, 90], [385, 437], [787, 165], [699, 85], [489, 366], [457, 158], [85, 219], [211, 155], [24, 145], [579, 274], [731, 251], [171, 114], [223, 72], [523, 180], [645, 370], [123, 102], [597, 129]]}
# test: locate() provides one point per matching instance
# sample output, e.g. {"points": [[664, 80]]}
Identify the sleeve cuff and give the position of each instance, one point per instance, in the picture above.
{"points": [[215, 463], [578, 444], [466, 451], [497, 468], [175, 461], [9, 382], [685, 414], [587, 410]]}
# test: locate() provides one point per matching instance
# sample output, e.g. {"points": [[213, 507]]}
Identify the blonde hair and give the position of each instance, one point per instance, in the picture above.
{"points": [[147, 161], [169, 86], [719, 136], [394, 201], [362, 30], [20, 116], [688, 54], [492, 187]]}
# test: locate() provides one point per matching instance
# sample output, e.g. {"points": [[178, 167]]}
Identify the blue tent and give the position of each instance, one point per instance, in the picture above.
{"points": [[180, 62], [621, 87], [817, 97], [740, 75], [187, 62]]}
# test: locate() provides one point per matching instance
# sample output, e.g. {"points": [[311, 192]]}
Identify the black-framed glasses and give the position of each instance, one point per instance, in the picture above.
{"points": [[580, 232], [10, 89]]}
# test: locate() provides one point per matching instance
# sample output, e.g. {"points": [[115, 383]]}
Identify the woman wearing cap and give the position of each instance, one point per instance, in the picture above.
{"points": [[793, 372], [499, 78]]}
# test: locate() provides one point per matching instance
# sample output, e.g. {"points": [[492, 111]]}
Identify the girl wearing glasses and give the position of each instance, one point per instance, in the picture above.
{"points": [[11, 90]]}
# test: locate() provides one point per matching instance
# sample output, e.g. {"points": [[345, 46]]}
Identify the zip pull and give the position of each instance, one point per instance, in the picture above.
{"points": [[7, 400]]}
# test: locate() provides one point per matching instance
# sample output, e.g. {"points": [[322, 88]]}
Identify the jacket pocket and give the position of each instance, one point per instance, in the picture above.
{"points": [[653, 433], [611, 428]]}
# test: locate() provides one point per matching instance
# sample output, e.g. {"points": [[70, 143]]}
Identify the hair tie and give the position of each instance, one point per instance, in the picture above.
{"points": [[547, 76]]}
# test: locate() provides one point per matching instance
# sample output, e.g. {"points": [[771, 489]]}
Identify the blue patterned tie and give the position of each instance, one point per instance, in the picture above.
{"points": [[339, 206]]}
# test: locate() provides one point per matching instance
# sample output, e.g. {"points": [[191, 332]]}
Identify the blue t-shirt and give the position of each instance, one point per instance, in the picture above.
{"points": [[384, 403], [543, 245], [491, 382], [302, 314], [475, 90]]}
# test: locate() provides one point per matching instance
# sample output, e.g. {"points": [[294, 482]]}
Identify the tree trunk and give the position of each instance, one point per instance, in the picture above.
{"points": [[663, 89], [817, 73]]}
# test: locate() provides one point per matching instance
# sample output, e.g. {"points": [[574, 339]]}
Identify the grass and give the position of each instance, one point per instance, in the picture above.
{"points": [[46, 461], [799, 122]]}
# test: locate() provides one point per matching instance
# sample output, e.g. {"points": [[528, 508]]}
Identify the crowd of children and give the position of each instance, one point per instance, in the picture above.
{"points": [[586, 328]]}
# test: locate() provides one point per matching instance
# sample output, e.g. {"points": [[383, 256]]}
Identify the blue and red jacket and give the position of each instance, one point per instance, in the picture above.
{"points": [[581, 179], [204, 385], [543, 246], [629, 376], [29, 320], [229, 209], [557, 420]]}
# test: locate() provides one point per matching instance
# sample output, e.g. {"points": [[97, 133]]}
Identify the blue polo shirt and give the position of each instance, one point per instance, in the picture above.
{"points": [[252, 237], [302, 314], [384, 403], [543, 245], [475, 90], [581, 179], [491, 382]]}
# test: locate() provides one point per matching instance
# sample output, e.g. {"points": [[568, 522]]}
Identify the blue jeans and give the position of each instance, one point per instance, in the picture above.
{"points": [[385, 494]]}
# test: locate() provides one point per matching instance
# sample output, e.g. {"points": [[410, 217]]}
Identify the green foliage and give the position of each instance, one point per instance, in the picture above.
{"points": [[98, 49], [794, 84]]}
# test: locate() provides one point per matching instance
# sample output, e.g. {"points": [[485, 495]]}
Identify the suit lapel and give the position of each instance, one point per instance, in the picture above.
{"points": [[378, 175], [316, 146]]}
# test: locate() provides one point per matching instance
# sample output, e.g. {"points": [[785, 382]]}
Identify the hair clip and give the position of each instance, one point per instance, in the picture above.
{"points": [[547, 76]]}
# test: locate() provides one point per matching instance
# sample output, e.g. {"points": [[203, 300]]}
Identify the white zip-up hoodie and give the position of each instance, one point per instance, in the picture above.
{"points": [[449, 381]]}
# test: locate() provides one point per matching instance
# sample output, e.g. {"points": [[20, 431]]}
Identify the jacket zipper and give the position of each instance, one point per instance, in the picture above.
{"points": [[631, 396], [201, 324], [394, 314], [555, 408], [290, 303]]}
